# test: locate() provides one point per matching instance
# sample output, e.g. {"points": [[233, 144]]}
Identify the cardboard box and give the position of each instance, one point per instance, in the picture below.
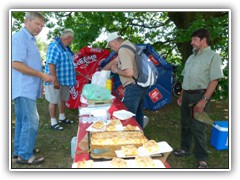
{"points": [[219, 136]]}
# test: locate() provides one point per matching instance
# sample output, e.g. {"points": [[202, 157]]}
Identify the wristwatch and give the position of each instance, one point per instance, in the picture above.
{"points": [[205, 98]]}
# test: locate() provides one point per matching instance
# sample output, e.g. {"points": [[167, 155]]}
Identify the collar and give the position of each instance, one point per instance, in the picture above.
{"points": [[202, 50], [58, 40], [28, 34]]}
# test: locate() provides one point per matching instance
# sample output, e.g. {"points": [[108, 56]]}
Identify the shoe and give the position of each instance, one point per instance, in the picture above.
{"points": [[66, 121], [202, 165], [35, 151], [57, 127], [181, 153], [32, 161]]}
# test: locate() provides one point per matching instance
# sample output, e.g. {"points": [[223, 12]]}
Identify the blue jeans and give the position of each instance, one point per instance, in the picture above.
{"points": [[26, 127], [134, 101]]}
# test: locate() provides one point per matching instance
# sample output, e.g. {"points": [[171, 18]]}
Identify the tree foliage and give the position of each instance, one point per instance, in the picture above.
{"points": [[168, 32]]}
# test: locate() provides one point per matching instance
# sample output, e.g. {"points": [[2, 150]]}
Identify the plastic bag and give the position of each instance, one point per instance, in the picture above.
{"points": [[100, 77], [95, 92]]}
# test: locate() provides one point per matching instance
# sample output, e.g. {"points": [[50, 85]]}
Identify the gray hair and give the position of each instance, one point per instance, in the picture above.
{"points": [[32, 15], [66, 33]]}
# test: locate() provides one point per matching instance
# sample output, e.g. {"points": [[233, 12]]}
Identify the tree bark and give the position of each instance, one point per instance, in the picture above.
{"points": [[183, 20]]}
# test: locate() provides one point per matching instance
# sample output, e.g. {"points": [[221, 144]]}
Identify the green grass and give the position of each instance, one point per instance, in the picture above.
{"points": [[164, 125]]}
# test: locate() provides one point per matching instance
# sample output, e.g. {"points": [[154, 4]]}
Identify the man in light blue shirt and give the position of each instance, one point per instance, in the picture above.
{"points": [[26, 87]]}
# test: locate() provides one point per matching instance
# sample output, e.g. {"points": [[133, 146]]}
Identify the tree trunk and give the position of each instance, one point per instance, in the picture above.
{"points": [[183, 20]]}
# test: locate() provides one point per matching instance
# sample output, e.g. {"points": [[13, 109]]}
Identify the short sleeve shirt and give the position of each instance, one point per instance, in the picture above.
{"points": [[25, 50], [201, 68], [62, 58], [126, 60]]}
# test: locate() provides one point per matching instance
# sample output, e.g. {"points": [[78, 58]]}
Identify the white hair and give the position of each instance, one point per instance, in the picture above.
{"points": [[32, 15], [66, 33]]}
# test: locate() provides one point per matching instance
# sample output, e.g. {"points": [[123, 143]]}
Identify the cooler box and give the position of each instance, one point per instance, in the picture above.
{"points": [[219, 137]]}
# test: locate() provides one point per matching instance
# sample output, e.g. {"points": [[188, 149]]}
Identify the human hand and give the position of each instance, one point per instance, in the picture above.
{"points": [[113, 68], [179, 101], [56, 84], [78, 73], [47, 78], [200, 106]]}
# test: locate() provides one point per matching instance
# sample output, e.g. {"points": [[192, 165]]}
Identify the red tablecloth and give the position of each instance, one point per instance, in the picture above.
{"points": [[82, 154]]}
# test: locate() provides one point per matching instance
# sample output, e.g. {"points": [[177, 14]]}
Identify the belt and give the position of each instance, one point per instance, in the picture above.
{"points": [[197, 91]]}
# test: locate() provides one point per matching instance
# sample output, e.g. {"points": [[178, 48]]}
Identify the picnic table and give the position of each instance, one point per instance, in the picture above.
{"points": [[82, 144]]}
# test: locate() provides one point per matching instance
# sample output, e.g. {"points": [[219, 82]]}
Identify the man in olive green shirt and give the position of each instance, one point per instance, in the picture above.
{"points": [[201, 74]]}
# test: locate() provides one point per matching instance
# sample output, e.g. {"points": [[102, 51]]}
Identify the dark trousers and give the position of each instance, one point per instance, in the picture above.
{"points": [[134, 101], [192, 129]]}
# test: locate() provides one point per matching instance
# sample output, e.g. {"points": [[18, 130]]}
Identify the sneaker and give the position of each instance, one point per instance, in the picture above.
{"points": [[181, 153], [32, 161]]}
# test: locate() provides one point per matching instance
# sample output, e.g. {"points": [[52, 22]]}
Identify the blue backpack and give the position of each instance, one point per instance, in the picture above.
{"points": [[147, 71]]}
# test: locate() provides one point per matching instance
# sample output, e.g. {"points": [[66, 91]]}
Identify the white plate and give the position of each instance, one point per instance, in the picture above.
{"points": [[130, 164], [123, 114], [163, 148], [119, 127], [90, 128], [120, 154]]}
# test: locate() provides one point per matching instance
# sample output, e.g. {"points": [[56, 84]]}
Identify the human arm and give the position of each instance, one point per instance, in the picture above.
{"points": [[210, 89], [52, 69], [126, 72], [23, 68], [215, 75], [179, 100], [110, 64]]}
